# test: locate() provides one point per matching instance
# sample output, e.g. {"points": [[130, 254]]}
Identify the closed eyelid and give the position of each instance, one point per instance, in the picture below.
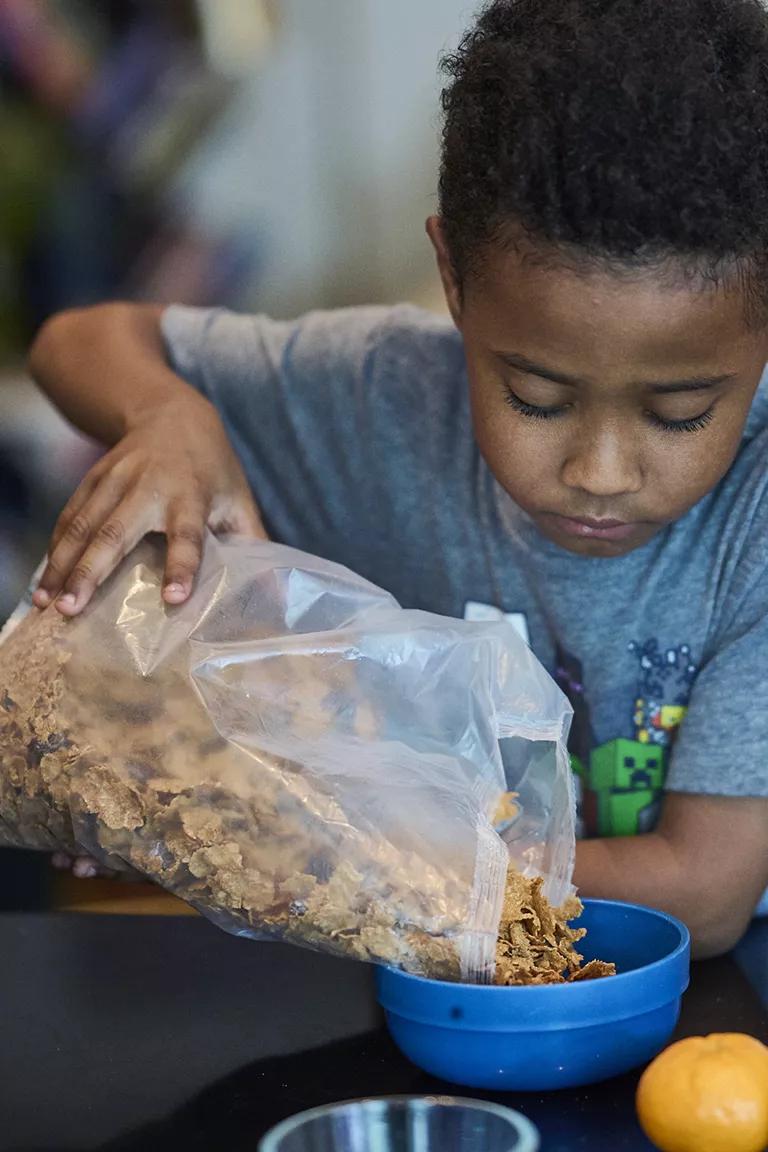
{"points": [[538, 391], [551, 412], [691, 424], [536, 411]]}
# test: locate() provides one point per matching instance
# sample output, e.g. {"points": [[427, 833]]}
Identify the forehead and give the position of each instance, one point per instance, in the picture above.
{"points": [[604, 324]]}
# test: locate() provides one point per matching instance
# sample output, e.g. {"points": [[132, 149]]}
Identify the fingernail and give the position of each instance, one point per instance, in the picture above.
{"points": [[84, 869], [174, 590], [41, 598], [67, 600]]}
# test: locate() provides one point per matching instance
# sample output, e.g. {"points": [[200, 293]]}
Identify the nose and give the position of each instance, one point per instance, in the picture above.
{"points": [[602, 462]]}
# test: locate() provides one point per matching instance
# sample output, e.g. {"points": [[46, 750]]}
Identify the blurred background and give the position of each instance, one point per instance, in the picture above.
{"points": [[269, 155]]}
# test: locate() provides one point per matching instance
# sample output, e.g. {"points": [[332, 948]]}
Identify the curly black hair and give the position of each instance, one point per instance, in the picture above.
{"points": [[628, 132]]}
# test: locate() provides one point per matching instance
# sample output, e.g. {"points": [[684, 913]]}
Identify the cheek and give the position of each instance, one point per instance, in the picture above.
{"points": [[681, 470], [519, 453]]}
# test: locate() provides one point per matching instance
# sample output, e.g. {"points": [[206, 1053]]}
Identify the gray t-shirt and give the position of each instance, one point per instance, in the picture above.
{"points": [[354, 429]]}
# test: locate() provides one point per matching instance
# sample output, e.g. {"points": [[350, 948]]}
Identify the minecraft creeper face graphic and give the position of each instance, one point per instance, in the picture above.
{"points": [[619, 784], [627, 777]]}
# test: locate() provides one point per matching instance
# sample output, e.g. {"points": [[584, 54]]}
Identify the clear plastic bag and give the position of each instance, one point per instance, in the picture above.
{"points": [[293, 754]]}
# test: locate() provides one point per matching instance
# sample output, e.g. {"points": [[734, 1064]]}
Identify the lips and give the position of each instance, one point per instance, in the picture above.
{"points": [[589, 529]]}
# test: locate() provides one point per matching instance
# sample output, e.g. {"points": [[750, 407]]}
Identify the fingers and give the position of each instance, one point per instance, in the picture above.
{"points": [[73, 506], [79, 498], [84, 867], [62, 559], [80, 520], [186, 532], [116, 505], [54, 574], [104, 549]]}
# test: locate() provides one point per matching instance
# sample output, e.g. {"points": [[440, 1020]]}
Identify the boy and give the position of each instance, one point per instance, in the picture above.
{"points": [[603, 245]]}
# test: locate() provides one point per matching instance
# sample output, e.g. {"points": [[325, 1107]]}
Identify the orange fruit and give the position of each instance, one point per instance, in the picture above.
{"points": [[707, 1094]]}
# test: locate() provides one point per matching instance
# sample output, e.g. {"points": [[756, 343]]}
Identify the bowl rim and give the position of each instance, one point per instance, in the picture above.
{"points": [[528, 1135], [681, 949]]}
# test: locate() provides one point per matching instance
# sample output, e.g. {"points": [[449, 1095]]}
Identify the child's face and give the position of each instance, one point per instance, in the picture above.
{"points": [[606, 406]]}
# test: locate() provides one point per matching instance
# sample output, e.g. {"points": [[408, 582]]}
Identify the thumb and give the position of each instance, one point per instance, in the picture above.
{"points": [[253, 526], [242, 518]]}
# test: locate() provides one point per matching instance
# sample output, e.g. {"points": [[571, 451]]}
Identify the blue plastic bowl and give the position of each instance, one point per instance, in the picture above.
{"points": [[551, 1036]]}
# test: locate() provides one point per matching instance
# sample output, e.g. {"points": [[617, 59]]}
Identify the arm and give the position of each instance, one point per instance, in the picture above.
{"points": [[707, 864], [104, 368], [171, 468]]}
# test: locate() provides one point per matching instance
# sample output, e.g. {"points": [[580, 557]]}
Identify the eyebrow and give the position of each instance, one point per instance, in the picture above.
{"points": [[659, 388]]}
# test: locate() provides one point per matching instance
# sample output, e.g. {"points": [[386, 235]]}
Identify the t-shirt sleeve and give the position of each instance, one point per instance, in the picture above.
{"points": [[722, 748], [327, 415], [291, 395]]}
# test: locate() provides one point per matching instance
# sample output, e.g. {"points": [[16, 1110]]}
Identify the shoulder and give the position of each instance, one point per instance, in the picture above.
{"points": [[377, 323], [758, 416], [398, 372], [383, 342], [731, 526], [400, 347], [718, 552], [382, 380], [739, 505]]}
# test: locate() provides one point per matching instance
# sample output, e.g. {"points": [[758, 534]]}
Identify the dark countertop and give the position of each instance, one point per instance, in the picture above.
{"points": [[156, 1033]]}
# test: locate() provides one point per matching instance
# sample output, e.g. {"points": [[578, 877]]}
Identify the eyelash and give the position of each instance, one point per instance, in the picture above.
{"points": [[533, 412], [695, 424]]}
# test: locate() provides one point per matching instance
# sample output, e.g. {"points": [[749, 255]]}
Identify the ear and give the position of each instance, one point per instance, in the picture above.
{"points": [[451, 286]]}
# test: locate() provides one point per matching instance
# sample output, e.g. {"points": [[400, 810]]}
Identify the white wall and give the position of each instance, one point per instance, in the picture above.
{"points": [[328, 159]]}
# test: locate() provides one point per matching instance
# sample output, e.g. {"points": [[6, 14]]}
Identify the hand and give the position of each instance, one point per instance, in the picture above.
{"points": [[173, 472], [86, 868]]}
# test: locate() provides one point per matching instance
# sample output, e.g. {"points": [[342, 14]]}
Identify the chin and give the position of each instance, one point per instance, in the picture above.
{"points": [[607, 549]]}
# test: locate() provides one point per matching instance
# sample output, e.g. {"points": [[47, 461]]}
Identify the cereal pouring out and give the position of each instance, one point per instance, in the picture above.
{"points": [[233, 750]]}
